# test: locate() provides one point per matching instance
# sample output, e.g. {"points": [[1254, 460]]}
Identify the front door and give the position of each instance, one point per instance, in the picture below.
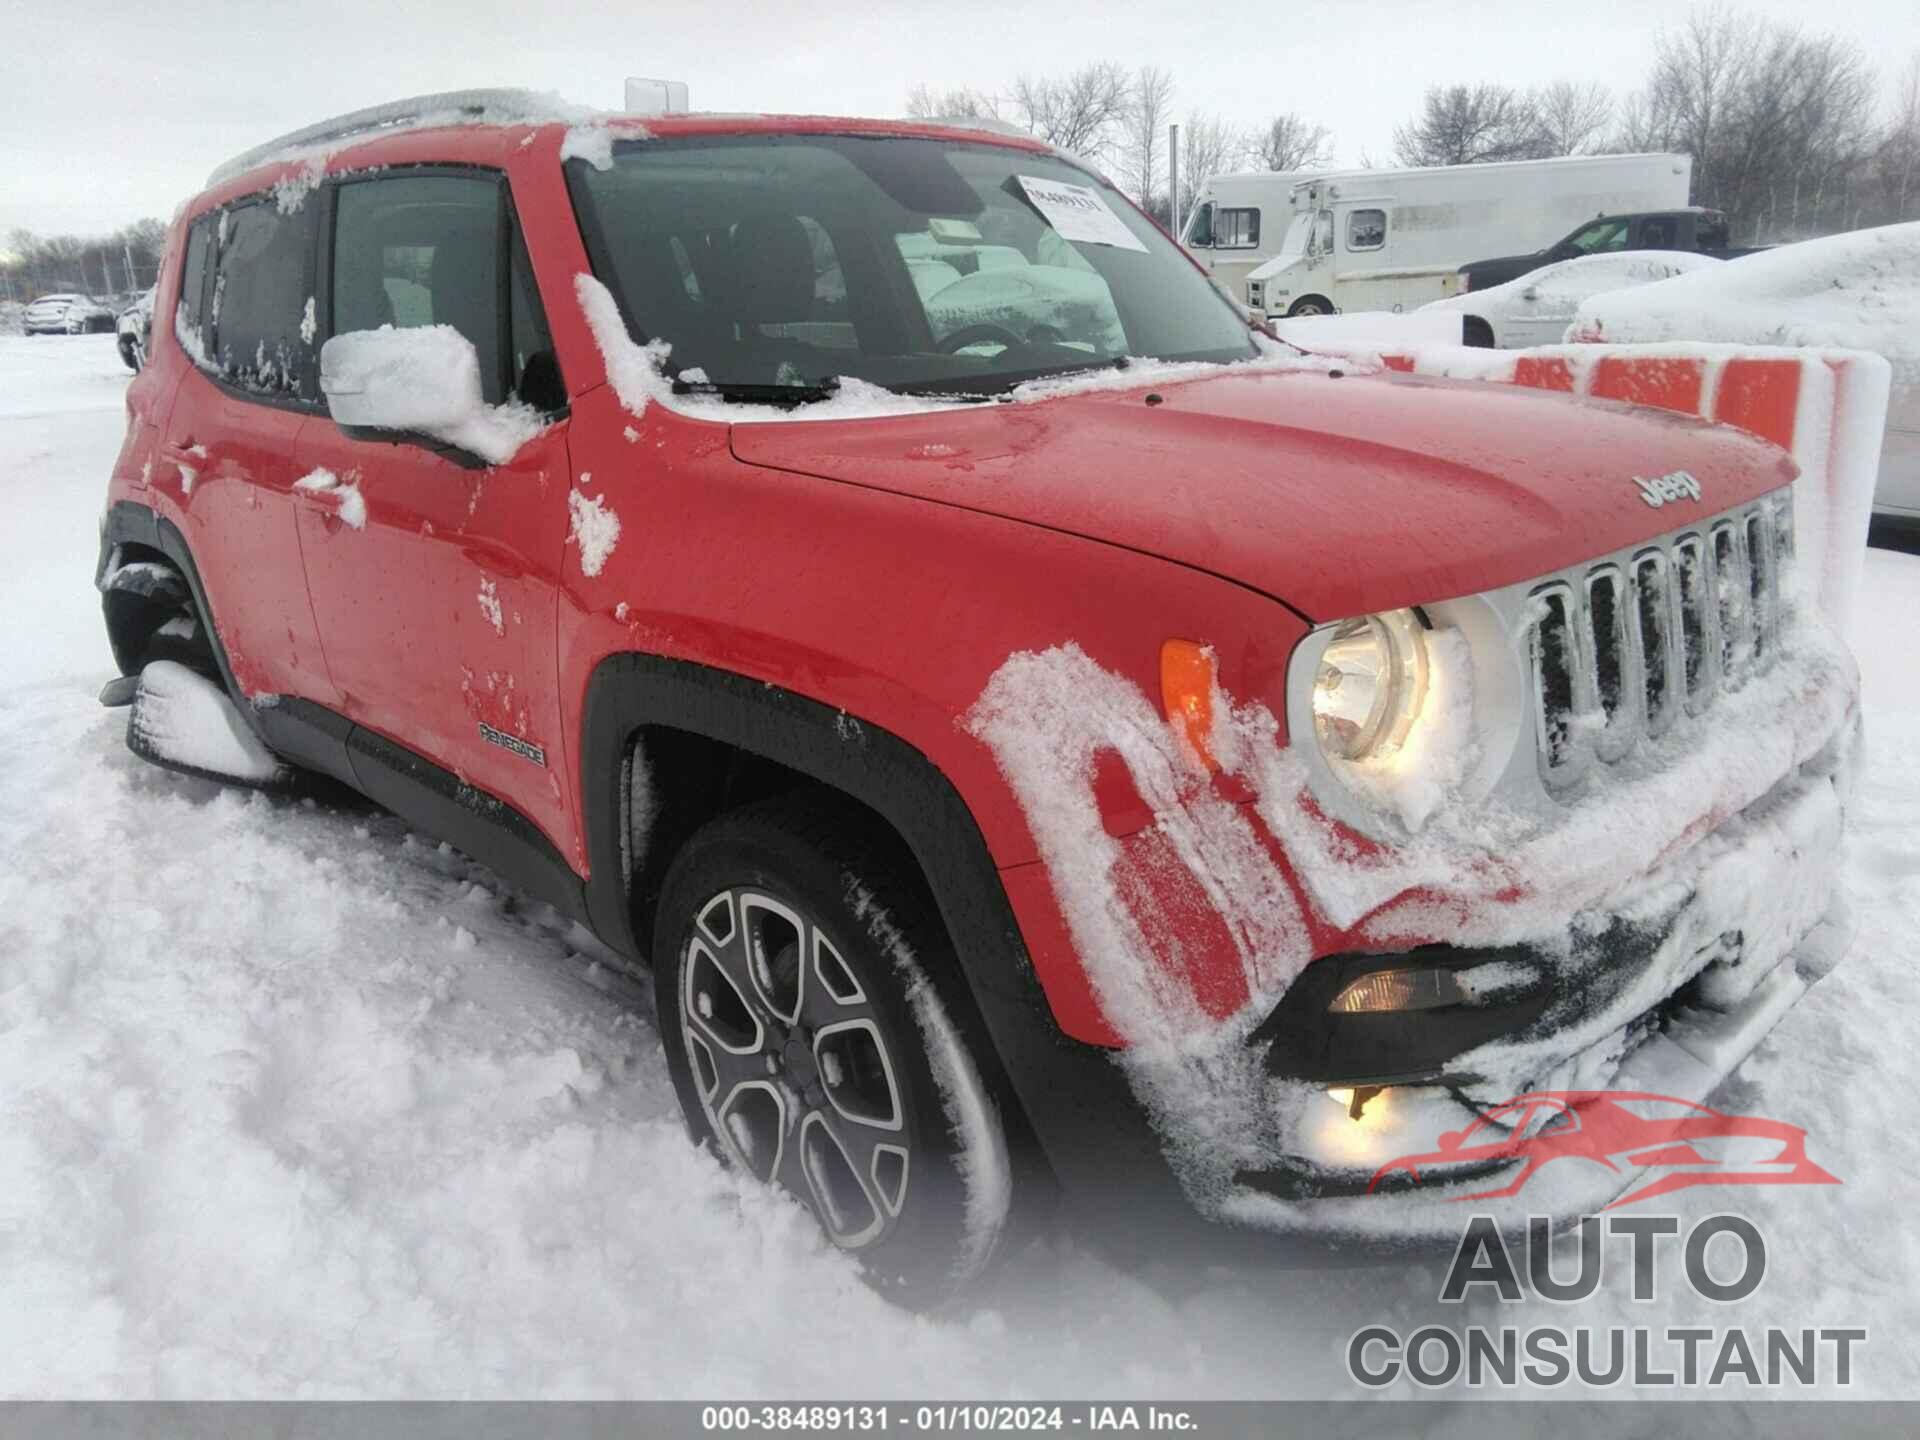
{"points": [[431, 573]]}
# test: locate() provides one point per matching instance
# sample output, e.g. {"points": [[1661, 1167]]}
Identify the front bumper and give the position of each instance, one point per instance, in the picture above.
{"points": [[1666, 991], [1665, 988]]}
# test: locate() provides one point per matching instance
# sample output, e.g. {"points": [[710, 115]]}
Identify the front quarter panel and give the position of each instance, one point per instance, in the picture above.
{"points": [[898, 610]]}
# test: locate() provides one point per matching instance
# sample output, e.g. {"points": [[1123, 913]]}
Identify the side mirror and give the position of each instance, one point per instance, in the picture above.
{"points": [[1532, 292], [422, 379]]}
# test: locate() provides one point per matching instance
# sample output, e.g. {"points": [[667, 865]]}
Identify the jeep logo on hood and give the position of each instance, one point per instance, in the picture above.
{"points": [[1668, 488]]}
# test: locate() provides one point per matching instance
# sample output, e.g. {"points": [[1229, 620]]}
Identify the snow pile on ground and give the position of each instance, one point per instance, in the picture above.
{"points": [[1857, 291], [425, 379], [1376, 329], [293, 1103]]}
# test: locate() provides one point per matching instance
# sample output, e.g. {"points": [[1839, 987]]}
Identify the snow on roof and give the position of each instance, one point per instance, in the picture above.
{"points": [[451, 107], [1857, 291]]}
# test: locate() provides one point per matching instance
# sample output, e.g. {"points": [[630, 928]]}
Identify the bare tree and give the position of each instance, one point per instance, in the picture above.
{"points": [[1290, 143], [1897, 158], [1572, 116], [97, 265], [1697, 73], [1780, 123], [1079, 112], [926, 103], [1643, 126], [1146, 133], [1209, 146], [1468, 125]]}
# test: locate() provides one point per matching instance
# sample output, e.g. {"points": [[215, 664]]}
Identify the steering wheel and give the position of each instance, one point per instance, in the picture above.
{"points": [[976, 334]]}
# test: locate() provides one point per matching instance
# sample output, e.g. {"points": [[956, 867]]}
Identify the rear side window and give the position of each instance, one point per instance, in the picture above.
{"points": [[258, 324], [414, 250], [193, 286]]}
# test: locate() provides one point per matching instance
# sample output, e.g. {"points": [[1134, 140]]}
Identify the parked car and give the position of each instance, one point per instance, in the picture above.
{"points": [[1692, 229], [67, 315], [1394, 239], [983, 728], [1537, 308], [1859, 291], [134, 327]]}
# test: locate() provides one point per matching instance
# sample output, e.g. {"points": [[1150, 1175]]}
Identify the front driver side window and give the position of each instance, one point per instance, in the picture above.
{"points": [[1602, 236], [412, 250]]}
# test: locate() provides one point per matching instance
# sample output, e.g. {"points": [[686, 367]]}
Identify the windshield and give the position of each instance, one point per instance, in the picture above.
{"points": [[1294, 242], [778, 264]]}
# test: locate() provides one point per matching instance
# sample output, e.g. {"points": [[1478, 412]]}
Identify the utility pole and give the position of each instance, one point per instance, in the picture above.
{"points": [[1173, 179]]}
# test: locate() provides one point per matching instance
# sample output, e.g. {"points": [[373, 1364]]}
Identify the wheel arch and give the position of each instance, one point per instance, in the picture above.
{"points": [[132, 531], [672, 717]]}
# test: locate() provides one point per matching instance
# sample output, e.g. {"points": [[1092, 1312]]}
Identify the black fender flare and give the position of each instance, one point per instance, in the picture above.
{"points": [[127, 522], [1074, 1099]]}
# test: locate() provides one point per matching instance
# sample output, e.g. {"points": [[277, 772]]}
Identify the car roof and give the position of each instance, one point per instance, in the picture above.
{"points": [[493, 137]]}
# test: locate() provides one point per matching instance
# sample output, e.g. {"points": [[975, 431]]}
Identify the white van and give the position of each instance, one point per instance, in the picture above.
{"points": [[1237, 223], [1395, 239]]}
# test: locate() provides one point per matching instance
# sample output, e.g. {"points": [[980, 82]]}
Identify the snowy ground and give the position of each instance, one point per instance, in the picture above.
{"points": [[295, 1104]]}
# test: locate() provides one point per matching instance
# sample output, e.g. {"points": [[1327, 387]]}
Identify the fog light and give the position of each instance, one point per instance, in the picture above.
{"points": [[1384, 991]]}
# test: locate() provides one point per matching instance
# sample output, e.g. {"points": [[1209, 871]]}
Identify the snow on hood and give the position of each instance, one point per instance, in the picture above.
{"points": [[1858, 291], [1288, 481]]}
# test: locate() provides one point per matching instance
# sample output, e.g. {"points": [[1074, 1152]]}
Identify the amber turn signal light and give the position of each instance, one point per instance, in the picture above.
{"points": [[1187, 679]]}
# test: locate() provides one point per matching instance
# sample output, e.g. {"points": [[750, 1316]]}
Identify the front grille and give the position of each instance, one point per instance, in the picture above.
{"points": [[1620, 648]]}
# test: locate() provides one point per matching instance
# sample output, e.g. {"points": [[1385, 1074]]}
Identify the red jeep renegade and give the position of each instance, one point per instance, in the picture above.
{"points": [[1039, 732]]}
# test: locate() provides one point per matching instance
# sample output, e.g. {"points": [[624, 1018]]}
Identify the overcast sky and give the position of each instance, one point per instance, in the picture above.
{"points": [[114, 111]]}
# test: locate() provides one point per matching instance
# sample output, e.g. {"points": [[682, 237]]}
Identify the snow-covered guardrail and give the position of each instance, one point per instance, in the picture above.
{"points": [[1827, 408]]}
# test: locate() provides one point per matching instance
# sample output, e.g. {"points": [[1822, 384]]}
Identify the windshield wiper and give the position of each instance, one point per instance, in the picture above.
{"points": [[741, 393], [995, 386]]}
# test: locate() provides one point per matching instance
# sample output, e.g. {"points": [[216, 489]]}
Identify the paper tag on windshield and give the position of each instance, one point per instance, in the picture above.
{"points": [[1077, 213]]}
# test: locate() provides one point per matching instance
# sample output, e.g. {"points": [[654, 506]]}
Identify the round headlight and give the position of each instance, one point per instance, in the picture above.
{"points": [[1371, 681]]}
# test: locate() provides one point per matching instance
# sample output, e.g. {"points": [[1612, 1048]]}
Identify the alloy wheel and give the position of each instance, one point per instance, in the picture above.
{"points": [[792, 1064]]}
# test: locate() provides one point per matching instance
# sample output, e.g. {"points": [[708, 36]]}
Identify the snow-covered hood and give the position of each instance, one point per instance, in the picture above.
{"points": [[1337, 496]]}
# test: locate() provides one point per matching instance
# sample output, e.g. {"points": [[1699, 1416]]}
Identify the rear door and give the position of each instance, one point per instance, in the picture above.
{"points": [[228, 453], [432, 575]]}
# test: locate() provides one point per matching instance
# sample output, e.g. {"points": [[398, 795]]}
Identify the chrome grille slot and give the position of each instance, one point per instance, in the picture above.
{"points": [[1696, 621], [1615, 663], [1757, 537], [1620, 649], [1653, 631], [1556, 671], [1730, 600]]}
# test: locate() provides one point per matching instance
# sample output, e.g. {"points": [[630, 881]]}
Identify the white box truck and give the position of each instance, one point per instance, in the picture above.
{"points": [[1395, 239], [1237, 223]]}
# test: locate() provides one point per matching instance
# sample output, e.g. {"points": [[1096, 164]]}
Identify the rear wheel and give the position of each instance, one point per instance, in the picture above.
{"points": [[810, 1043]]}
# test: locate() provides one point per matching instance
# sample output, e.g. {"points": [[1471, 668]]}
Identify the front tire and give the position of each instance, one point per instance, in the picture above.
{"points": [[1310, 305], [794, 980]]}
